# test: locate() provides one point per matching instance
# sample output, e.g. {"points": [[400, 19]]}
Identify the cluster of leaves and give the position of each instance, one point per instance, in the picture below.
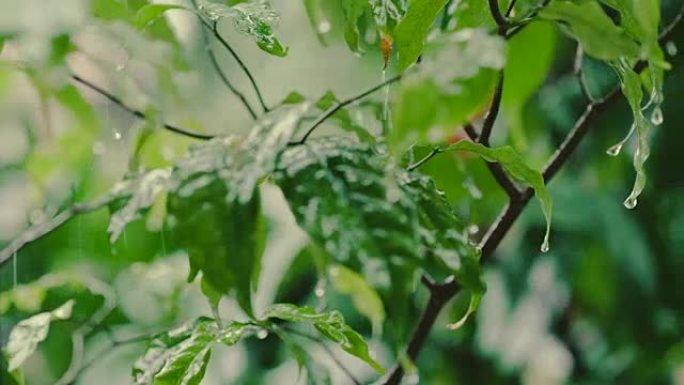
{"points": [[378, 224]]}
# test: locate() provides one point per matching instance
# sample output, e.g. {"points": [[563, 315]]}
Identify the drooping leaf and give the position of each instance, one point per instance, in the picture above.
{"points": [[592, 27], [353, 10], [365, 298], [515, 165], [27, 334], [330, 324], [387, 13], [255, 18], [412, 30]]}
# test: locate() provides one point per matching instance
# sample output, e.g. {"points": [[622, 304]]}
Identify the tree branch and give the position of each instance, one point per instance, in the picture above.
{"points": [[332, 110], [214, 29], [222, 75], [500, 20], [137, 113], [490, 119], [36, 232], [440, 294], [511, 6]]}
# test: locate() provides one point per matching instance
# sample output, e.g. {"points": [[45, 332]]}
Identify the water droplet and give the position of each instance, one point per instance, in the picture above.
{"points": [[473, 229], [615, 149], [412, 379], [262, 334], [657, 116], [117, 135], [545, 246], [324, 26], [121, 67], [671, 48], [630, 202]]}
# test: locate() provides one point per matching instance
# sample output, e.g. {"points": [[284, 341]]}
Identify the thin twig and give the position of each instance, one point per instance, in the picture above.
{"points": [[579, 73], [332, 110], [511, 6], [35, 232], [490, 119], [222, 75], [214, 29], [137, 113], [327, 349], [427, 157], [440, 294]]}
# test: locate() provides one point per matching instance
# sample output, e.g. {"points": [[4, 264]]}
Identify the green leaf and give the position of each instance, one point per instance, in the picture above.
{"points": [[331, 325], [454, 81], [353, 10], [529, 59], [255, 18], [373, 217], [630, 83], [387, 13], [151, 12], [365, 298], [515, 165], [180, 356], [412, 30], [27, 334], [597, 33]]}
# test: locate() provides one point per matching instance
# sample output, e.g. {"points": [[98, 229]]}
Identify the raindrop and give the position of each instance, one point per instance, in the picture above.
{"points": [[324, 26], [657, 116], [412, 379], [262, 334], [671, 48], [320, 289], [630, 202], [121, 67], [473, 229], [545, 246], [117, 135], [615, 149], [14, 270]]}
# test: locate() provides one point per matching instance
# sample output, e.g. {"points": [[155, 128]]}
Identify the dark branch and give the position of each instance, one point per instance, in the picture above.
{"points": [[440, 294], [137, 113], [332, 110], [490, 119], [214, 29], [224, 78], [511, 6], [500, 20], [579, 73]]}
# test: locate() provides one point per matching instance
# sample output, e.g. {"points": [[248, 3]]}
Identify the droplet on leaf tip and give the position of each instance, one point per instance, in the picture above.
{"points": [[262, 334], [657, 116], [545, 246], [614, 150], [630, 202]]}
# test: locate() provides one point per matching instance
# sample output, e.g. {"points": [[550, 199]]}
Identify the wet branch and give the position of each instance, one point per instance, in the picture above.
{"points": [[490, 119], [499, 18], [137, 113]]}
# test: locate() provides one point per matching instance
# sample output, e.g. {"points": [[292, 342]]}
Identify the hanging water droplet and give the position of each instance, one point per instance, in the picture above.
{"points": [[630, 202], [412, 379], [671, 48], [262, 334], [320, 288], [473, 229], [545, 246], [324, 26], [615, 149], [117, 135], [657, 116]]}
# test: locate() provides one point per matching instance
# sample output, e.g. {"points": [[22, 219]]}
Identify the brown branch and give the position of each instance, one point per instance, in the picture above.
{"points": [[440, 294], [498, 17], [490, 119]]}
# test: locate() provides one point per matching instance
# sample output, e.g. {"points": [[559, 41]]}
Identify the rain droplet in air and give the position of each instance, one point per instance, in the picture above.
{"points": [[117, 135], [324, 26], [262, 334], [630, 202], [657, 116]]}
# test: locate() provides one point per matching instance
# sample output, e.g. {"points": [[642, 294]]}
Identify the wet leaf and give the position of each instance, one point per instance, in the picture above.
{"points": [[27, 334], [516, 167], [330, 324], [597, 33], [365, 298], [255, 18], [412, 30], [151, 12]]}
